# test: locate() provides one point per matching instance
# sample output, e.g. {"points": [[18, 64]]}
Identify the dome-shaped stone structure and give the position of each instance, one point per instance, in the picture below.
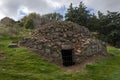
{"points": [[64, 43]]}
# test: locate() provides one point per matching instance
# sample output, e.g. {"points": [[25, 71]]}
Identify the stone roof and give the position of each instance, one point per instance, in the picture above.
{"points": [[62, 31]]}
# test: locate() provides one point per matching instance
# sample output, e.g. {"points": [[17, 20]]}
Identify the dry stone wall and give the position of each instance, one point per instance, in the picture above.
{"points": [[51, 38]]}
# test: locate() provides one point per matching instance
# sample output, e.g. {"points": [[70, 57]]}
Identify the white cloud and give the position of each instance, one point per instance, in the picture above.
{"points": [[13, 8], [2, 15], [22, 11], [104, 5], [54, 4]]}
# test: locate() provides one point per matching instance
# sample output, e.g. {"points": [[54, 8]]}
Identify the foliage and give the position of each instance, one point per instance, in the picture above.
{"points": [[114, 38], [8, 31], [29, 24], [78, 15], [53, 16], [93, 23], [33, 20], [110, 27], [107, 26]]}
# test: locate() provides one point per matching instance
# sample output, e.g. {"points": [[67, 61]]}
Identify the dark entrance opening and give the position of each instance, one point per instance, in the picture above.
{"points": [[67, 57]]}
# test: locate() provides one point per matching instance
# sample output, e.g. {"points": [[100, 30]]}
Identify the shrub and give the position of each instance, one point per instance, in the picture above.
{"points": [[29, 24]]}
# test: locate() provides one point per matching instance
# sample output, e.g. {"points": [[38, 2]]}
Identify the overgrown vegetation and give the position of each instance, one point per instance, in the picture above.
{"points": [[106, 25], [35, 20], [8, 31], [53, 16]]}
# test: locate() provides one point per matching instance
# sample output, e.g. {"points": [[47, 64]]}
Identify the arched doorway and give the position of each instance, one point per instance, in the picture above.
{"points": [[67, 57]]}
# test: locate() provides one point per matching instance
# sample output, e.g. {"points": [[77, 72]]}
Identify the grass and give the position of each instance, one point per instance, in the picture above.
{"points": [[21, 64]]}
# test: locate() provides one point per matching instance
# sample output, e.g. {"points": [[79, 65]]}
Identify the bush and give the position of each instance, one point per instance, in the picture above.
{"points": [[8, 31], [114, 38], [29, 24]]}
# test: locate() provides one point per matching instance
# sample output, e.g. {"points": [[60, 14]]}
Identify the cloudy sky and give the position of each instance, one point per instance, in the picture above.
{"points": [[16, 9]]}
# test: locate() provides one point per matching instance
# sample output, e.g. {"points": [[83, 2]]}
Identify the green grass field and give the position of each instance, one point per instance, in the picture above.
{"points": [[21, 64]]}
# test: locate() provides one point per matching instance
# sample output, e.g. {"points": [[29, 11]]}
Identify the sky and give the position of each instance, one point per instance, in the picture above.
{"points": [[17, 9]]}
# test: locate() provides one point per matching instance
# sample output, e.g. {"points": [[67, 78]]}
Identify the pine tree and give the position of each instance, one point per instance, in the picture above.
{"points": [[78, 15]]}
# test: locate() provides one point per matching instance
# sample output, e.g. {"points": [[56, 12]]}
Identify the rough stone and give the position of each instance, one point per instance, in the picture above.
{"points": [[53, 37]]}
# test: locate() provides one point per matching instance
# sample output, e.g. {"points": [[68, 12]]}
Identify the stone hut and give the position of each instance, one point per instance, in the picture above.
{"points": [[64, 43]]}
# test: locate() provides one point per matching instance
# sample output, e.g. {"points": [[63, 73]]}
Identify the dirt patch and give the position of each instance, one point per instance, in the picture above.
{"points": [[81, 67]]}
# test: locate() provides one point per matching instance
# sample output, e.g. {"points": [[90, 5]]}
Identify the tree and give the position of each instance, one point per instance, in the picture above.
{"points": [[53, 16], [93, 23], [34, 19], [109, 22], [29, 24], [78, 15], [69, 16], [114, 38], [106, 26], [109, 27]]}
